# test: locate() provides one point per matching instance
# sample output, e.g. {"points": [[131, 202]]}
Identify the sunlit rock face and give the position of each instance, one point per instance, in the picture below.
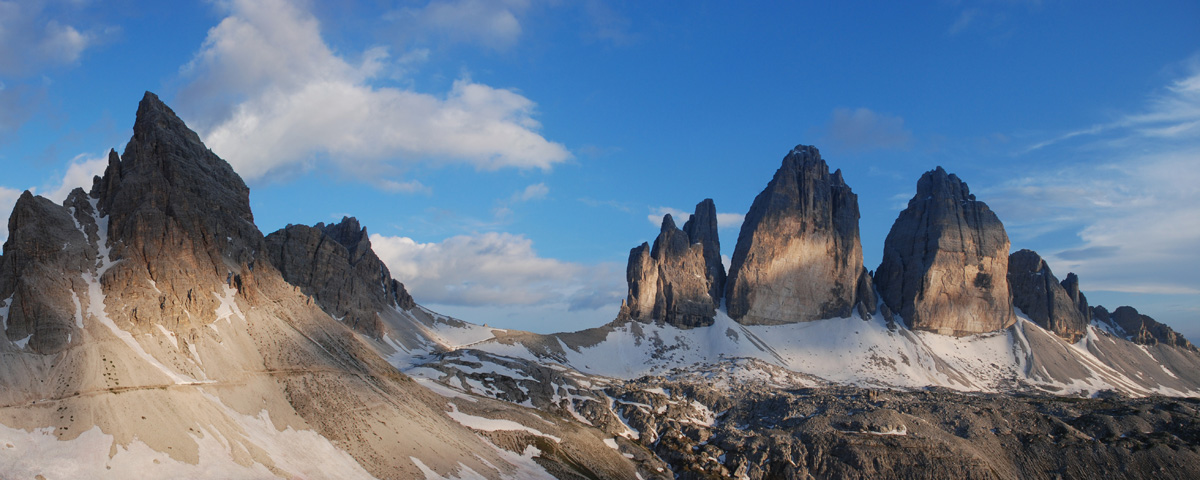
{"points": [[1042, 298], [679, 281], [798, 256], [945, 261]]}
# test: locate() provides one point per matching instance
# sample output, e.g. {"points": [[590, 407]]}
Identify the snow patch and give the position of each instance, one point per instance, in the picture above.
{"points": [[491, 425]]}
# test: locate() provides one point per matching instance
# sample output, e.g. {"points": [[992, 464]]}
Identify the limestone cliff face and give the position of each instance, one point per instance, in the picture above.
{"points": [[336, 265], [679, 280], [177, 220], [1071, 285], [798, 256], [1040, 296], [44, 259], [945, 261]]}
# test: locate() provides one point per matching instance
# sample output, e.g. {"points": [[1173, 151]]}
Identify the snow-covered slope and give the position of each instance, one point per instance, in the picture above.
{"points": [[868, 353]]}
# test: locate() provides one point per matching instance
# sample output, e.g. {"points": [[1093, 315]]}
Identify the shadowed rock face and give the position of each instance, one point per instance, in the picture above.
{"points": [[178, 223], [44, 259], [1142, 328], [336, 265], [1071, 285], [1039, 295], [798, 256], [945, 261], [679, 281]]}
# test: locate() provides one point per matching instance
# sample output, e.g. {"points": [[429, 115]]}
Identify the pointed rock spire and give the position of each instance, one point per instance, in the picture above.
{"points": [[336, 266], [945, 261], [678, 280], [1038, 294], [798, 256]]}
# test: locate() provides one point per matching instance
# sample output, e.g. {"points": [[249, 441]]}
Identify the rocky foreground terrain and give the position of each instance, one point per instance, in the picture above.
{"points": [[152, 331]]}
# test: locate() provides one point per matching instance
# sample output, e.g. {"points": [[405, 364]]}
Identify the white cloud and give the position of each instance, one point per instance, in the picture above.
{"points": [[8, 200], [1133, 202], [490, 23], [862, 129], [79, 174], [272, 98], [498, 269], [30, 39], [725, 221], [536, 191]]}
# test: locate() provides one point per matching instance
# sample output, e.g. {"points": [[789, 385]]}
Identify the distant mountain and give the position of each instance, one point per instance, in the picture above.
{"points": [[151, 330]]}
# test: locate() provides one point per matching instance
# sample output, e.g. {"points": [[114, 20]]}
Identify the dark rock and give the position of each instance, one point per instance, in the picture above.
{"points": [[336, 266], [678, 281], [945, 260], [44, 258], [1144, 329], [1071, 285], [178, 223], [1038, 294], [798, 256]]}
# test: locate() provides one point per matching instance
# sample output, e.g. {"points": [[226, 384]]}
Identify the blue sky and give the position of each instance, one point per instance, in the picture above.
{"points": [[507, 154]]}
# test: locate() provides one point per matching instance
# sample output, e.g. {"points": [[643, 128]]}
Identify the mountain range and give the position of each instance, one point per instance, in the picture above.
{"points": [[152, 330]]}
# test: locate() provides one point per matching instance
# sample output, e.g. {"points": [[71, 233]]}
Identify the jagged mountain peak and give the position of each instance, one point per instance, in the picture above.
{"points": [[798, 257], [945, 261]]}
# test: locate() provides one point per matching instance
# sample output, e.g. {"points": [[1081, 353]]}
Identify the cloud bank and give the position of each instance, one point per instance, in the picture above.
{"points": [[500, 269], [272, 98]]}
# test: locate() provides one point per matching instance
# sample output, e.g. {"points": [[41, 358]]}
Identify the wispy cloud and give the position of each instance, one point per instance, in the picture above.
{"points": [[862, 129], [269, 95], [1131, 198], [493, 24], [34, 35], [496, 269]]}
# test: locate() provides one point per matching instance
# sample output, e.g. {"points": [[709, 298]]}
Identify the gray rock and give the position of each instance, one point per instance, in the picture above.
{"points": [[945, 261], [179, 225], [1144, 329], [798, 256], [336, 266], [43, 262], [678, 281], [1071, 285], [1039, 295]]}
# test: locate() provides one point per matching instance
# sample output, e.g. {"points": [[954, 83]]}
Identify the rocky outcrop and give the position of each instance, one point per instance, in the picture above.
{"points": [[1042, 298], [945, 261], [336, 266], [798, 256], [1142, 328], [678, 281], [1071, 286], [44, 258], [177, 220]]}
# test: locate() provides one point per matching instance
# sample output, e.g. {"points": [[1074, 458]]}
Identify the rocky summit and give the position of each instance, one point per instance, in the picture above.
{"points": [[152, 331], [1042, 298], [335, 264], [798, 257], [945, 261], [679, 281]]}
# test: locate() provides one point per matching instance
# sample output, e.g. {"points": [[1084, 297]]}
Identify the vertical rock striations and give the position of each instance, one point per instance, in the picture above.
{"points": [[1040, 296], [798, 256], [178, 222], [336, 266], [1071, 285], [945, 261], [679, 280]]}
